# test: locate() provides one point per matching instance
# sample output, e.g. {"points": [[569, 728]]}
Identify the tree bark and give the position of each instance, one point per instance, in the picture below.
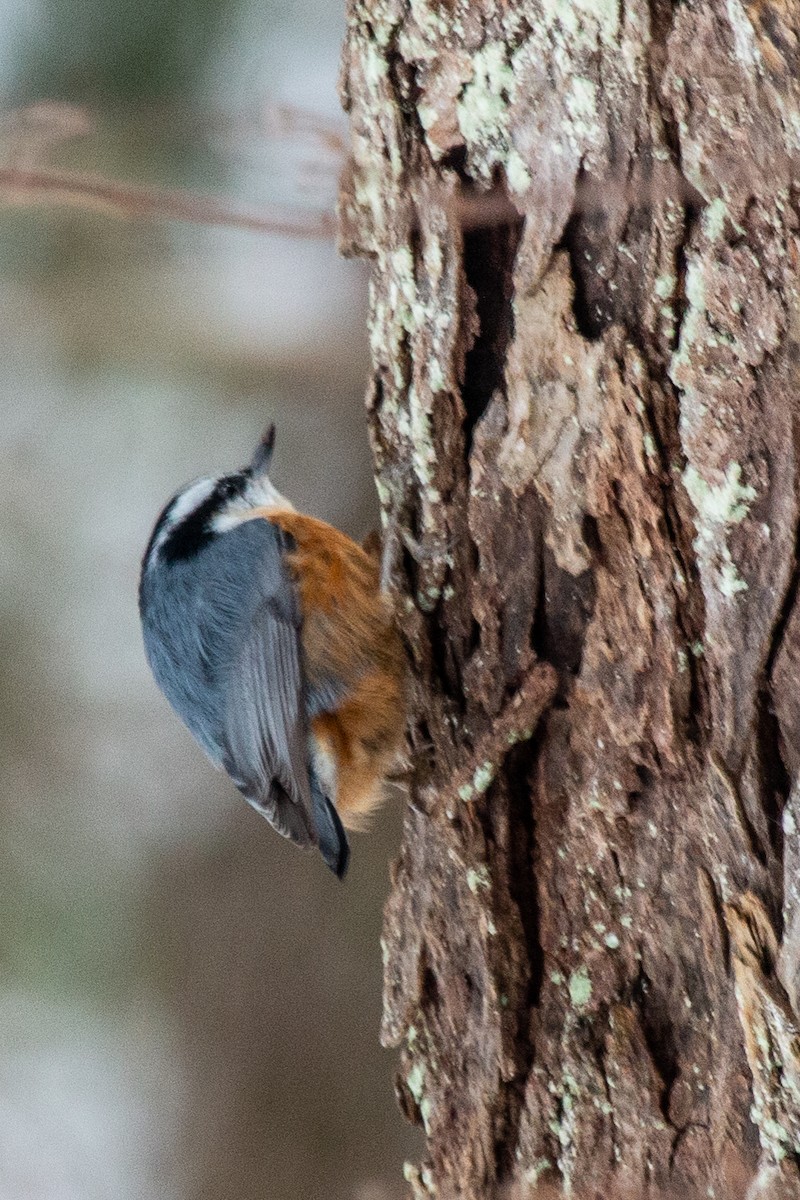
{"points": [[584, 418]]}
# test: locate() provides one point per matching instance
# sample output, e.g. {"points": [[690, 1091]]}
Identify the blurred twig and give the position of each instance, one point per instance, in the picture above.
{"points": [[28, 135], [25, 186]]}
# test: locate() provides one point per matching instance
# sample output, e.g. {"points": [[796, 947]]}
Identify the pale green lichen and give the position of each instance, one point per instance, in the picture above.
{"points": [[482, 109], [538, 1168], [726, 503], [402, 290], [695, 292], [427, 600], [426, 1175], [435, 375], [730, 581], [714, 218], [431, 22], [773, 1135], [368, 185], [517, 173], [483, 777], [581, 103], [665, 286], [415, 1082], [423, 455], [718, 507], [433, 257], [612, 941], [428, 115], [562, 1126], [696, 331], [466, 792], [421, 1181], [375, 65], [384, 496], [478, 879], [580, 987], [744, 40], [483, 112], [382, 25]]}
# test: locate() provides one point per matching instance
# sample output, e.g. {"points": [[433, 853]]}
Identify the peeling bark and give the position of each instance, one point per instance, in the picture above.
{"points": [[584, 421]]}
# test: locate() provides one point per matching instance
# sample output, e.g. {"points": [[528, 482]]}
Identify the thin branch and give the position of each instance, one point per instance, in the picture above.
{"points": [[23, 186]]}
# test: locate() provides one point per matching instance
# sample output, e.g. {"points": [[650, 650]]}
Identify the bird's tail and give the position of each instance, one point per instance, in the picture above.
{"points": [[333, 843]]}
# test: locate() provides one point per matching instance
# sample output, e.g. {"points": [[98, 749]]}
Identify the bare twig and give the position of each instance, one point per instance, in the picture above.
{"points": [[24, 186]]}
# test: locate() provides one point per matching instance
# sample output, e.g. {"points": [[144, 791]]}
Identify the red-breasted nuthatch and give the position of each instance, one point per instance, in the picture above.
{"points": [[269, 634]]}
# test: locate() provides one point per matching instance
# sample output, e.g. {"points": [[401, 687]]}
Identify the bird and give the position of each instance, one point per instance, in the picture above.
{"points": [[271, 636]]}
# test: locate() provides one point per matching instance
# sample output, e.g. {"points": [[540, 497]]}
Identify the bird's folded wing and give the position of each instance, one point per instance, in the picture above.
{"points": [[265, 726]]}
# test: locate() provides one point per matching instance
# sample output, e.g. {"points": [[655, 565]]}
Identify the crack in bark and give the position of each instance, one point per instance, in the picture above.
{"points": [[520, 767], [709, 886], [777, 777], [488, 258], [659, 1039], [564, 609], [733, 792], [593, 313], [690, 614]]}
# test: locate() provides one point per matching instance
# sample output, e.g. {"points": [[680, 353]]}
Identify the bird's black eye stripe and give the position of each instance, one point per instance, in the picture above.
{"points": [[194, 530], [191, 533]]}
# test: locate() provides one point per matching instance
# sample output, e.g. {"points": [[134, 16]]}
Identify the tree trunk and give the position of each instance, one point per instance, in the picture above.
{"points": [[584, 419]]}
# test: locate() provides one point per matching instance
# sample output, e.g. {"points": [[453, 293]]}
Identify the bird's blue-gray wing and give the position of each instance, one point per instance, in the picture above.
{"points": [[265, 731]]}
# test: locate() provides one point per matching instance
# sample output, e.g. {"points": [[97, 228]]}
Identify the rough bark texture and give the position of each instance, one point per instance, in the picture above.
{"points": [[585, 428]]}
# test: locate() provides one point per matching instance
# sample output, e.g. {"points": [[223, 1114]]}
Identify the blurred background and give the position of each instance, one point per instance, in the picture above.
{"points": [[188, 1007]]}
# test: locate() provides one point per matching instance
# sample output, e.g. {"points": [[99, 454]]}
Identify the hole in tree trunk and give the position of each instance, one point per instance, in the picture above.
{"points": [[489, 254]]}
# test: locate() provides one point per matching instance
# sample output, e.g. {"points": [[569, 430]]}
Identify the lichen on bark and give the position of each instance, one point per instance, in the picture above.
{"points": [[584, 418]]}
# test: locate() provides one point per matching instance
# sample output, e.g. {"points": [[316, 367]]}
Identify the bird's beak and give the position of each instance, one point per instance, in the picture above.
{"points": [[263, 455]]}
